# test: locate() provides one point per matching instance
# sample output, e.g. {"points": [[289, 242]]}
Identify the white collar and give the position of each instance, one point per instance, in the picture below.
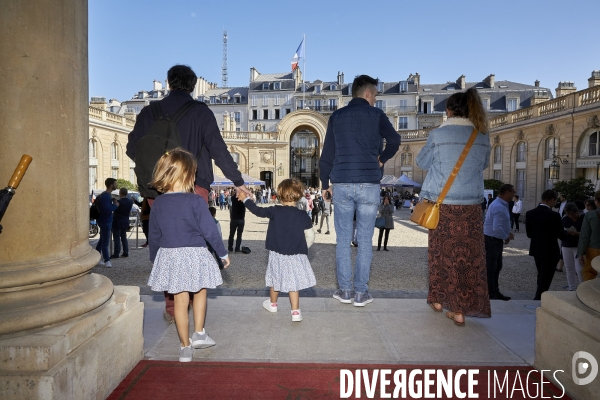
{"points": [[457, 121]]}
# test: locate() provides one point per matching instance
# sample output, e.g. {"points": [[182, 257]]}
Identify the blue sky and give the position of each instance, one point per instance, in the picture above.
{"points": [[131, 43]]}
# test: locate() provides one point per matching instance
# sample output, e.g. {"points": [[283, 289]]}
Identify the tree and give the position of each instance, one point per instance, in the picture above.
{"points": [[123, 183], [492, 184], [575, 189]]}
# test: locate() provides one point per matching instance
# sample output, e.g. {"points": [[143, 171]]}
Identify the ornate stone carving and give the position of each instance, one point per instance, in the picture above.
{"points": [[593, 121], [497, 139], [94, 133], [266, 157], [116, 137], [406, 148], [520, 135], [550, 130]]}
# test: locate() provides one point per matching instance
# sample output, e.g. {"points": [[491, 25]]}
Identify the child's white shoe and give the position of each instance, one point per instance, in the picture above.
{"points": [[271, 307], [296, 316]]}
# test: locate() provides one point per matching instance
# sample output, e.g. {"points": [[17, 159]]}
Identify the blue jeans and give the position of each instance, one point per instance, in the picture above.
{"points": [[104, 241], [364, 199], [120, 236]]}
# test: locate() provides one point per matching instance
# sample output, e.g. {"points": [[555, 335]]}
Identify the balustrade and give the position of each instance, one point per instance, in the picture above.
{"points": [[552, 106], [589, 96], [522, 115]]}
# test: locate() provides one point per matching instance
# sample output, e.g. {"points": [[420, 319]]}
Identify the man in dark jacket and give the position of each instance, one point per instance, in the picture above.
{"points": [[106, 206], [544, 227], [237, 221], [352, 160], [120, 224]]}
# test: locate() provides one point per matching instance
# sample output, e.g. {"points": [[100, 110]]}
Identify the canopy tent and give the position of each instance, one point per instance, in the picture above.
{"points": [[388, 180], [248, 180], [405, 181]]}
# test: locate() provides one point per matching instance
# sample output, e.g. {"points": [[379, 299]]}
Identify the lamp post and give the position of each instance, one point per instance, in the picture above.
{"points": [[554, 168]]}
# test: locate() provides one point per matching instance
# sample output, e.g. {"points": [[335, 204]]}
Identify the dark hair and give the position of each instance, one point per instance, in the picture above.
{"points": [[362, 83], [507, 187], [580, 205], [213, 211], [181, 77], [517, 196], [468, 105], [591, 203], [549, 195], [123, 192], [109, 181], [571, 207]]}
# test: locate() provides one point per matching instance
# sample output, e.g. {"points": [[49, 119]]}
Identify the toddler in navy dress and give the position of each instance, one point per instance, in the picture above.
{"points": [[179, 229], [289, 236]]}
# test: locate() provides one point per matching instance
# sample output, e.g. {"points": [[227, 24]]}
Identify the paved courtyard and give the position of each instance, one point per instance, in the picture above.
{"points": [[399, 273]]}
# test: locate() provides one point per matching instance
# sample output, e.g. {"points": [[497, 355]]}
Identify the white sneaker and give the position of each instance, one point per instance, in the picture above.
{"points": [[101, 262], [108, 264], [271, 307], [296, 316]]}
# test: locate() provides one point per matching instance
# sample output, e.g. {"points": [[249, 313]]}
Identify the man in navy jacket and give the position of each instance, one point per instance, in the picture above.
{"points": [[121, 224], [352, 160]]}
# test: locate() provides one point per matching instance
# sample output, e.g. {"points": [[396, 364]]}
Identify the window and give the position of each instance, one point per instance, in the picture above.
{"points": [[403, 105], [114, 173], [253, 100], [277, 115], [333, 87], [276, 85], [114, 151], [521, 183], [317, 105], [277, 100], [497, 175], [288, 97], [300, 105], [521, 152], [92, 148], [93, 176], [380, 86], [287, 111], [265, 100], [402, 122], [403, 86], [485, 103], [238, 99], [511, 105], [379, 104], [427, 105], [265, 114], [549, 182], [238, 116], [406, 159], [593, 150], [332, 104], [213, 99], [497, 154], [317, 88], [550, 148], [265, 86], [254, 114]]}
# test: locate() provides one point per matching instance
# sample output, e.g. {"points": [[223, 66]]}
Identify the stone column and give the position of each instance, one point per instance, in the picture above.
{"points": [[63, 334]]}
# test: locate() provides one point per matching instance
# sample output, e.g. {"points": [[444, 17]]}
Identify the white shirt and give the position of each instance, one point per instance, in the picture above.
{"points": [[518, 207]]}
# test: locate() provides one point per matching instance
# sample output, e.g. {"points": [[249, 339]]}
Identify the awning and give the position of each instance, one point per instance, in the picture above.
{"points": [[405, 181], [388, 180]]}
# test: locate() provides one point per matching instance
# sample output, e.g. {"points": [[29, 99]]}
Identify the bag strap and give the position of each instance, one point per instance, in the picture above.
{"points": [[156, 111], [182, 111], [459, 164]]}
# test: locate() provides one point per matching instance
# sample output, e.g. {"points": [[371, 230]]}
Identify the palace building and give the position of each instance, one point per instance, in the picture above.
{"points": [[275, 126]]}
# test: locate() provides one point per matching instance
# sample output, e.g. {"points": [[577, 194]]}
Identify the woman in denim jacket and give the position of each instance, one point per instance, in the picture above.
{"points": [[457, 270]]}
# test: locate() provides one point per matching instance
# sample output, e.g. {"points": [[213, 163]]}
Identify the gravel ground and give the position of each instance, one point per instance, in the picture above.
{"points": [[401, 272]]}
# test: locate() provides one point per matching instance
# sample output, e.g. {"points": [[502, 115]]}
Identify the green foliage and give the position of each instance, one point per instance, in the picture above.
{"points": [[126, 184], [492, 184], [575, 189]]}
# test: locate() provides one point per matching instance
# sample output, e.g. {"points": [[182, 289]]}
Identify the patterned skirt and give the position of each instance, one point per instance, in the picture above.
{"points": [[457, 270], [184, 269], [289, 273]]}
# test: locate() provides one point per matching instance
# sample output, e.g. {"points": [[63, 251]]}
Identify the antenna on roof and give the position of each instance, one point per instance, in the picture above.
{"points": [[224, 64]]}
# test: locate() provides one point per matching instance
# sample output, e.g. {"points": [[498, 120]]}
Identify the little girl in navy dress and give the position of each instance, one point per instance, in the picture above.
{"points": [[289, 236], [179, 229]]}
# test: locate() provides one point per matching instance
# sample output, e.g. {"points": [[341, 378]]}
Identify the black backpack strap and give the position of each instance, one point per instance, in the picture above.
{"points": [[156, 110], [183, 110]]}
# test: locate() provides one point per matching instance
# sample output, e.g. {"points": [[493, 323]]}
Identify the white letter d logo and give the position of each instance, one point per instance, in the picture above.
{"points": [[582, 367]]}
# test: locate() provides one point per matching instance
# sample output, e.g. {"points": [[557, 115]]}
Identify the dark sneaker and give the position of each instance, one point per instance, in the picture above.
{"points": [[361, 299], [186, 354], [318, 231], [114, 256], [201, 340], [327, 233], [344, 296], [125, 255]]}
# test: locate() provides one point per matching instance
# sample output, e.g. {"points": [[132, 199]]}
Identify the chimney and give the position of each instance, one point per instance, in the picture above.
{"points": [[156, 85], [537, 83], [99, 102], [461, 82], [564, 88], [594, 79], [253, 74], [539, 96], [340, 78], [415, 79], [490, 80]]}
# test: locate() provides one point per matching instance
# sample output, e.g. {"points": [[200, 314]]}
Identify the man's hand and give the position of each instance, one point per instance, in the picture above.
{"points": [[380, 163], [243, 189], [225, 262], [511, 236], [582, 259], [241, 195]]}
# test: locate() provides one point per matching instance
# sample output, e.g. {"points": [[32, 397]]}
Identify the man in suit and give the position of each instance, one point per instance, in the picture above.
{"points": [[544, 227]]}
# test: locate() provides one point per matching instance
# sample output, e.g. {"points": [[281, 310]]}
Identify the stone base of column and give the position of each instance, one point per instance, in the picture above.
{"points": [[565, 326], [82, 358]]}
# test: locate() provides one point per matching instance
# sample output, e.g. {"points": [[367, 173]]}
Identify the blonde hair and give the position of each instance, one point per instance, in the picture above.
{"points": [[290, 190], [177, 165]]}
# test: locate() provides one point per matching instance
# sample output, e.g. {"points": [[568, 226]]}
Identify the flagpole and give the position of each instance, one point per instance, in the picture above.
{"points": [[304, 67]]}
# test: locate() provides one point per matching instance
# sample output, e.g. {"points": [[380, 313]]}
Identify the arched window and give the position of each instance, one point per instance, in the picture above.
{"points": [[550, 148], [593, 149], [93, 149], [497, 154], [114, 151], [521, 152], [406, 159]]}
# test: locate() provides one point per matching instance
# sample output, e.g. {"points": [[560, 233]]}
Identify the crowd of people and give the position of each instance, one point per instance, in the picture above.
{"points": [[464, 252]]}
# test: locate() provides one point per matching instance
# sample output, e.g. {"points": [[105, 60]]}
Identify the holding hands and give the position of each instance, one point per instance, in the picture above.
{"points": [[241, 195]]}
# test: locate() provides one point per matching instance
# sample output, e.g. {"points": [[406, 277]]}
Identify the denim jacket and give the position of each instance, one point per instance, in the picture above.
{"points": [[439, 155]]}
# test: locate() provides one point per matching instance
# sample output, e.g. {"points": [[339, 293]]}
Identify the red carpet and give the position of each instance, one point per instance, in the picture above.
{"points": [[230, 380]]}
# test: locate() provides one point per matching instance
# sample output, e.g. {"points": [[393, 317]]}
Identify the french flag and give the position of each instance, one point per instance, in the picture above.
{"points": [[298, 55]]}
